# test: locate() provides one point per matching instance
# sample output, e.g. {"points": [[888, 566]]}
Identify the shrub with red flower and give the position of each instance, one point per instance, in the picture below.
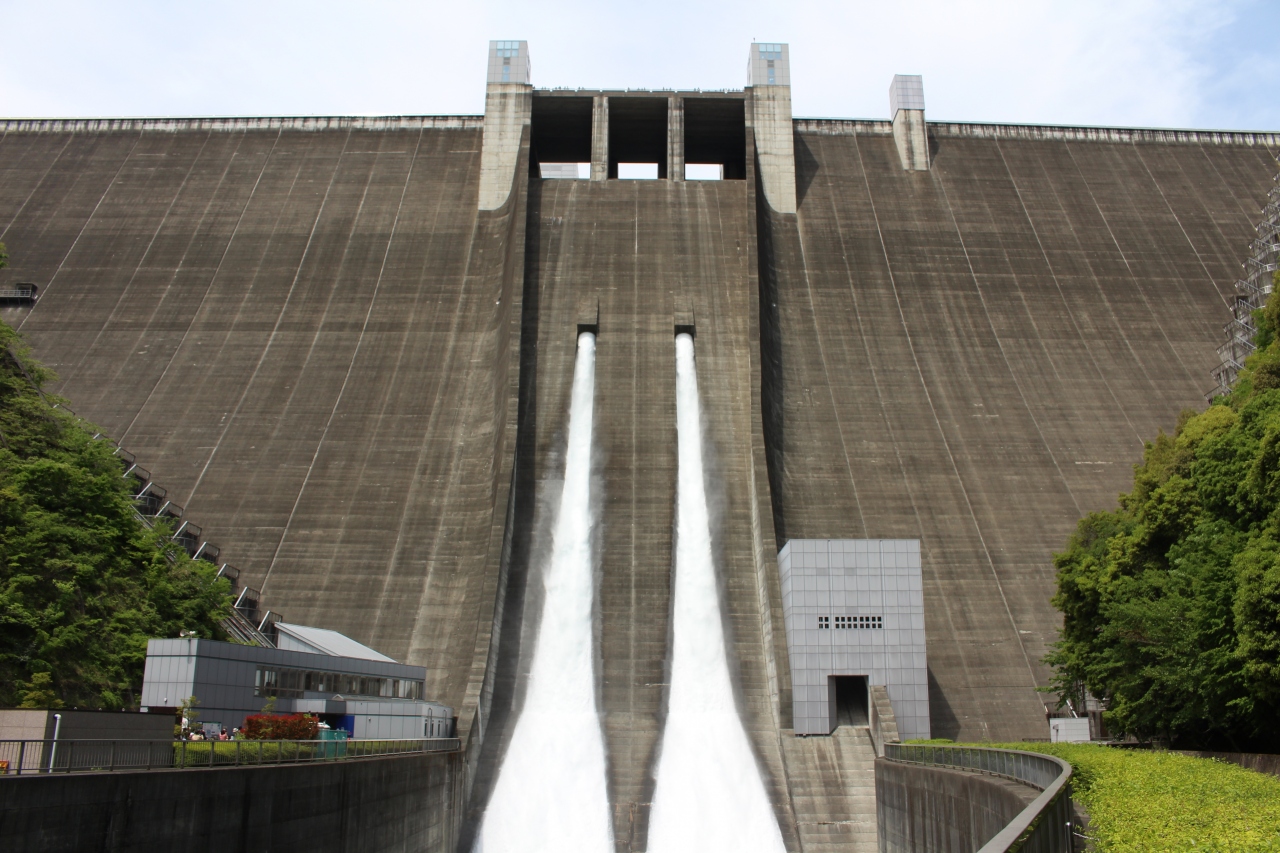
{"points": [[280, 727]]}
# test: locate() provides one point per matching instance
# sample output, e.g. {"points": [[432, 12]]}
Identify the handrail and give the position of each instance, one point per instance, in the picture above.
{"points": [[36, 757], [1044, 825]]}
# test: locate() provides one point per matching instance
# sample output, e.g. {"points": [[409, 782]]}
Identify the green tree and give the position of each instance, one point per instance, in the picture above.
{"points": [[83, 582], [1171, 602]]}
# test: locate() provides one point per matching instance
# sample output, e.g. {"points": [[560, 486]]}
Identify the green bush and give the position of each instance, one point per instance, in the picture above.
{"points": [[196, 753], [1143, 800]]}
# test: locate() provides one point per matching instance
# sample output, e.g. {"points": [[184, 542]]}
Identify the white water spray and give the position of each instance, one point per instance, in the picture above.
{"points": [[709, 796], [551, 794]]}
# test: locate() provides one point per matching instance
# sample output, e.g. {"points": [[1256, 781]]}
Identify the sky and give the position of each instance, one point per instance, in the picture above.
{"points": [[1133, 63]]}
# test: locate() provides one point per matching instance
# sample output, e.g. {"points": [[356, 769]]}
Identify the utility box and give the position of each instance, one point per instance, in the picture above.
{"points": [[1069, 730]]}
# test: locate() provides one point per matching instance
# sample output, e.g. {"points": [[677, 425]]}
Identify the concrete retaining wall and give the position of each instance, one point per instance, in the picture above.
{"points": [[932, 810], [412, 803]]}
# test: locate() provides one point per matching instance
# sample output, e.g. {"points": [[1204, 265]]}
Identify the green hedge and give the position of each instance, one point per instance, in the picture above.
{"points": [[197, 752], [1141, 800]]}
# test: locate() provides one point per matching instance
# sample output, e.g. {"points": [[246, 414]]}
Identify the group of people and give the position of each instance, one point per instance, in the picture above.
{"points": [[200, 734]]}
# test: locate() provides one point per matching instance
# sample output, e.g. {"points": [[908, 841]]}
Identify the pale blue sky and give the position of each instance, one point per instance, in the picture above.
{"points": [[1165, 63]]}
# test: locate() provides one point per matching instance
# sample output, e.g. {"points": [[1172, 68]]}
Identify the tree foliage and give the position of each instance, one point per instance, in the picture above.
{"points": [[1171, 603], [83, 582]]}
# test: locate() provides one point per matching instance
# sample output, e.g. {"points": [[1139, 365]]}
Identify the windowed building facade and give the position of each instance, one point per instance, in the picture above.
{"points": [[370, 697]]}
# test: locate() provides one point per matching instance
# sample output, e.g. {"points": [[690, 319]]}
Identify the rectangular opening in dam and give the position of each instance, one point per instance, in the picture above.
{"points": [[848, 697], [715, 133], [561, 137], [637, 172], [638, 133]]}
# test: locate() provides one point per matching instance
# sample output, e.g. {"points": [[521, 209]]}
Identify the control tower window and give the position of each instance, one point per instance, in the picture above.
{"points": [[715, 135], [638, 133], [507, 50], [561, 136]]}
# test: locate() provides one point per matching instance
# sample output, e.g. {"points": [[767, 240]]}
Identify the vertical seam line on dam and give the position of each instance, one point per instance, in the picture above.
{"points": [[1127, 265], [1004, 356], [275, 331], [142, 260], [195, 315], [106, 190], [1066, 307], [964, 490], [38, 184]]}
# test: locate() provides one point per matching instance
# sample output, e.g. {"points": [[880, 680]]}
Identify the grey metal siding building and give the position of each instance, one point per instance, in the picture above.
{"points": [[371, 698], [854, 608]]}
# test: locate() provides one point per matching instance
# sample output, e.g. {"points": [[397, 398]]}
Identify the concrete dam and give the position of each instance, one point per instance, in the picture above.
{"points": [[347, 347]]}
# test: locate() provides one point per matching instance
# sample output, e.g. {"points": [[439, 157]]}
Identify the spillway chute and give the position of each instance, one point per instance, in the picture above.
{"points": [[551, 793], [709, 794]]}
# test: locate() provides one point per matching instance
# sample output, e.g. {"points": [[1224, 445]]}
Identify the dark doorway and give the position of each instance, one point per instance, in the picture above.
{"points": [[561, 130], [638, 133], [848, 700], [715, 131]]}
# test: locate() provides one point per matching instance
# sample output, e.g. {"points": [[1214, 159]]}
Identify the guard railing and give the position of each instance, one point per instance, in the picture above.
{"points": [[1044, 826], [32, 757]]}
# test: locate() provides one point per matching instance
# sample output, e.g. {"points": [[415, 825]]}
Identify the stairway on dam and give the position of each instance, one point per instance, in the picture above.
{"points": [[833, 790]]}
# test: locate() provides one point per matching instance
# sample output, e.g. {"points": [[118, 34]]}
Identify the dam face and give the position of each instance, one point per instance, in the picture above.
{"points": [[347, 347]]}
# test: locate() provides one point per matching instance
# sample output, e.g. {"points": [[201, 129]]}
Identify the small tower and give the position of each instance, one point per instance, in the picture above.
{"points": [[769, 74], [508, 103], [906, 105]]}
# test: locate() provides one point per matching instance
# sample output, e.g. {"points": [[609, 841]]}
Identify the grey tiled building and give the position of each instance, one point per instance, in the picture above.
{"points": [[362, 691], [854, 612]]}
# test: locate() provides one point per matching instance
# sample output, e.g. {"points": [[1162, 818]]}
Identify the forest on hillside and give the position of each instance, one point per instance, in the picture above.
{"points": [[1171, 602], [84, 582]]}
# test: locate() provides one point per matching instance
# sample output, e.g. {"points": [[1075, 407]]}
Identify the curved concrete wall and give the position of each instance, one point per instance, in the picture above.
{"points": [[934, 810], [407, 804]]}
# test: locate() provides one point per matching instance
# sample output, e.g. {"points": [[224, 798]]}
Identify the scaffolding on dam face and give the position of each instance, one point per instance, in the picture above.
{"points": [[1252, 292]]}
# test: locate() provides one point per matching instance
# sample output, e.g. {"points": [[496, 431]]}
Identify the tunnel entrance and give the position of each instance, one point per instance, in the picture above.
{"points": [[847, 695], [715, 133], [560, 137], [638, 133]]}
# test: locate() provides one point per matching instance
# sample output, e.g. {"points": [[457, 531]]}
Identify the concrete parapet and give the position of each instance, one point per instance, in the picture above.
{"points": [[935, 810], [883, 723], [413, 803], [507, 110]]}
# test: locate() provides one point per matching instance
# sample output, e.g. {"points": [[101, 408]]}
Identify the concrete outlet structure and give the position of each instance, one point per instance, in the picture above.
{"points": [[854, 610], [345, 346]]}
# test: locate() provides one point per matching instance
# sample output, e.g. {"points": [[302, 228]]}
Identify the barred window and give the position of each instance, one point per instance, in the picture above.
{"points": [[292, 683]]}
